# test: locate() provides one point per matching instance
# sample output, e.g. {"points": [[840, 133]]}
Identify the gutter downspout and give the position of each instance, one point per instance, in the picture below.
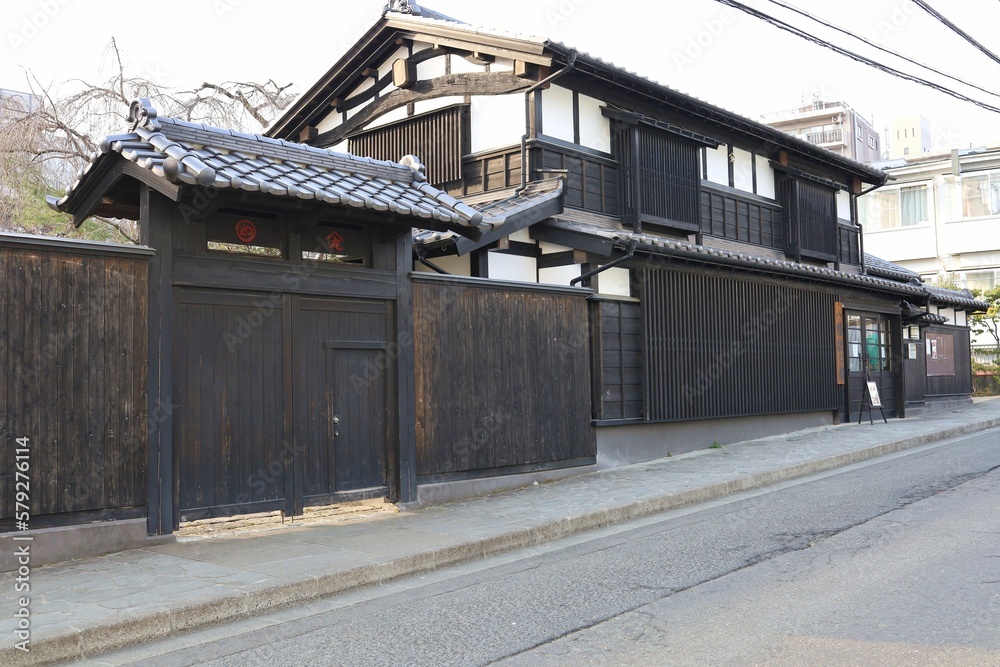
{"points": [[861, 235], [570, 64], [629, 250], [422, 258]]}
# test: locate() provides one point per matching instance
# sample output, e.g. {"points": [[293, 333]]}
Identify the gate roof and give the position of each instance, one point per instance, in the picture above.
{"points": [[178, 153]]}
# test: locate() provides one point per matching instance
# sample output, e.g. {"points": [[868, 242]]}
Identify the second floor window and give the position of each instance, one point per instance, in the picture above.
{"points": [[980, 195], [896, 207], [660, 174]]}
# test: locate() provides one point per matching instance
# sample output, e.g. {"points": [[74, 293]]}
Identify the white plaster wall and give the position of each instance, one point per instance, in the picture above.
{"points": [[765, 178], [743, 170], [595, 129], [545, 247], [388, 117], [961, 318], [456, 266], [497, 121], [717, 161], [522, 235], [897, 245], [502, 65], [614, 281], [843, 205], [440, 103], [341, 147], [557, 113], [512, 267], [460, 65], [949, 313], [386, 67], [559, 275], [362, 87], [430, 69], [330, 121]]}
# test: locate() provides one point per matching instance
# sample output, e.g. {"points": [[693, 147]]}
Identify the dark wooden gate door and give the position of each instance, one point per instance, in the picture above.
{"points": [[280, 401], [341, 379], [231, 448]]}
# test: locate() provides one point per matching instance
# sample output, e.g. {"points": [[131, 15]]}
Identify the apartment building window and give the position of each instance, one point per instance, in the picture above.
{"points": [[981, 195], [859, 132], [898, 207], [871, 141]]}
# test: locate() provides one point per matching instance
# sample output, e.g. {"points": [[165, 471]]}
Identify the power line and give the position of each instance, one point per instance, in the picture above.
{"points": [[966, 36], [854, 56], [880, 47]]}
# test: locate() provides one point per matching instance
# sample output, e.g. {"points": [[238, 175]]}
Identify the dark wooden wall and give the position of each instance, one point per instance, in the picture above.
{"points": [[959, 384], [719, 346], [73, 353], [439, 138], [591, 180], [728, 215], [487, 171], [618, 359], [502, 378]]}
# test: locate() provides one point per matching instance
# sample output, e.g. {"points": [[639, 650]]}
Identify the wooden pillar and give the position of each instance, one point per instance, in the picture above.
{"points": [[405, 381], [156, 214]]}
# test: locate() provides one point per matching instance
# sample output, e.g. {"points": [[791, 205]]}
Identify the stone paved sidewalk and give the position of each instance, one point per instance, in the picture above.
{"points": [[90, 606]]}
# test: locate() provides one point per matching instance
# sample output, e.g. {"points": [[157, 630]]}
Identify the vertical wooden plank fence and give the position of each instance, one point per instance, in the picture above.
{"points": [[73, 354]]}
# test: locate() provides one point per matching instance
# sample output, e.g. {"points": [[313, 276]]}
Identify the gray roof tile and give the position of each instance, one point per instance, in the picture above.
{"points": [[193, 153]]}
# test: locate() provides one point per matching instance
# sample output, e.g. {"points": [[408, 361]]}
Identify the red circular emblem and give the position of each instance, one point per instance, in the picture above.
{"points": [[245, 231]]}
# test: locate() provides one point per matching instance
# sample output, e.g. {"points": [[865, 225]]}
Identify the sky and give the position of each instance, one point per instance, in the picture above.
{"points": [[700, 47]]}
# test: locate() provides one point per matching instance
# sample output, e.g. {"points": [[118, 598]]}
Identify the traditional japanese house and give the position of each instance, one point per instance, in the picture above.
{"points": [[591, 269], [732, 295]]}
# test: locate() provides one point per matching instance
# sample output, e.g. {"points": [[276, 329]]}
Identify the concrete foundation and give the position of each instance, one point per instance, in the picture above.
{"points": [[65, 543], [444, 492], [626, 444]]}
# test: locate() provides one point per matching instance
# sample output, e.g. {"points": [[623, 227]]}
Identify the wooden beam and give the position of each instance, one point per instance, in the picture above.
{"points": [[404, 73], [308, 134], [485, 83]]}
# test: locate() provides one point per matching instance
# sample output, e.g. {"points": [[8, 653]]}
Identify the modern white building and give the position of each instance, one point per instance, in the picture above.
{"points": [[939, 216]]}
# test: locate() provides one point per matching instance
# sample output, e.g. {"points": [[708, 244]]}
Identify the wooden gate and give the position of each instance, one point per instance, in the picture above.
{"points": [[280, 401]]}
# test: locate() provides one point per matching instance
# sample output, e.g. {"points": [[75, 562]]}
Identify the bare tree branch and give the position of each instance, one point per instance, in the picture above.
{"points": [[47, 136]]}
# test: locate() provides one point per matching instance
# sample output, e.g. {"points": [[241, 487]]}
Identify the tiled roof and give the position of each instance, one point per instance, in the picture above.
{"points": [[879, 267], [195, 154], [948, 297], [496, 213]]}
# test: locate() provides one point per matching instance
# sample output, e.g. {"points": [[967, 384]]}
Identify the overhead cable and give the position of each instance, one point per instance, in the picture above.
{"points": [[880, 47], [958, 31], [855, 56]]}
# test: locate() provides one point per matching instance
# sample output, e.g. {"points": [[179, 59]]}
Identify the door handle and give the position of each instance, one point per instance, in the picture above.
{"points": [[336, 420]]}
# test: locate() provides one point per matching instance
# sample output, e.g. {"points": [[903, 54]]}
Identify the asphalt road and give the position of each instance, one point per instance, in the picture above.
{"points": [[895, 561]]}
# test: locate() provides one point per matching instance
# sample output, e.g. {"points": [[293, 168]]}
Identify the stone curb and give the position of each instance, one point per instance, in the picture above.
{"points": [[130, 630]]}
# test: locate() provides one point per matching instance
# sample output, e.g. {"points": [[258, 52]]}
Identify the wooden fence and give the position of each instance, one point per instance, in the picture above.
{"points": [[502, 378], [73, 386]]}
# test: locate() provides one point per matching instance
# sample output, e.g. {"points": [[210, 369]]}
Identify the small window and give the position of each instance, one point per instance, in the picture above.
{"points": [[871, 141], [245, 236], [337, 244], [906, 151]]}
